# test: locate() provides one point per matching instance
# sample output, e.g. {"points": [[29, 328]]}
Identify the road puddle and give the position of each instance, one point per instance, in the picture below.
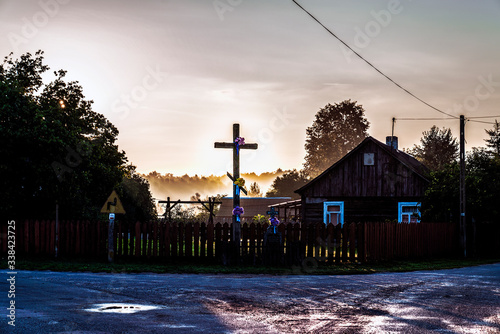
{"points": [[120, 308]]}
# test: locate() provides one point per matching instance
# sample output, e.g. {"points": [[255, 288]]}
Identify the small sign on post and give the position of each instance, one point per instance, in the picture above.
{"points": [[113, 206]]}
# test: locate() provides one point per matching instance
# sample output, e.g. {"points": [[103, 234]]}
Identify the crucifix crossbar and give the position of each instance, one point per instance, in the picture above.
{"points": [[236, 147]]}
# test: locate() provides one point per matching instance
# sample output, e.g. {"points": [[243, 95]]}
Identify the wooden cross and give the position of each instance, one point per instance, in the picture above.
{"points": [[234, 180], [272, 212], [236, 173]]}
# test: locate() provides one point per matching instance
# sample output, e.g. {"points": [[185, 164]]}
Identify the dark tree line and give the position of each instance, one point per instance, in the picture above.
{"points": [[482, 180], [56, 150]]}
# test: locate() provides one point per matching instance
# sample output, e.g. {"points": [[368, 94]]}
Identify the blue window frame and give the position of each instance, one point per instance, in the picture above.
{"points": [[333, 212], [409, 212]]}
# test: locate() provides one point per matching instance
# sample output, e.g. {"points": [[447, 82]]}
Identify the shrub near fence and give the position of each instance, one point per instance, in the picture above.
{"points": [[354, 242]]}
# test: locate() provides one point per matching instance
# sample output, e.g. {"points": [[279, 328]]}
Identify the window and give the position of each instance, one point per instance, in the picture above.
{"points": [[333, 212], [369, 159], [409, 212]]}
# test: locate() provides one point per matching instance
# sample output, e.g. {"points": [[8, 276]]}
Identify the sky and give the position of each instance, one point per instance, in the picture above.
{"points": [[174, 75]]}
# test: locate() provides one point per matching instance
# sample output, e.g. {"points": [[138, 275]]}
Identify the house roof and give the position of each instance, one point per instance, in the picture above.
{"points": [[407, 160]]}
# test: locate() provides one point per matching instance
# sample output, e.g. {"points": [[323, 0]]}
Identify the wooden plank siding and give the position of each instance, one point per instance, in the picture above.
{"points": [[351, 178], [369, 192]]}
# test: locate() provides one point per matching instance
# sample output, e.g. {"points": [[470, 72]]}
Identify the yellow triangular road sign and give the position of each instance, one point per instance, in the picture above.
{"points": [[113, 204]]}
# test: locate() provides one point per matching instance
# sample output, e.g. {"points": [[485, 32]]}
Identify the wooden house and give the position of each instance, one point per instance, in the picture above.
{"points": [[373, 182]]}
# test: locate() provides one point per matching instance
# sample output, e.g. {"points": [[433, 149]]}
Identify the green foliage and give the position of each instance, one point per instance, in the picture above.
{"points": [[195, 212], [441, 202], [260, 219], [55, 148], [136, 198], [493, 143], [437, 148], [483, 186], [286, 184], [182, 213], [336, 130]]}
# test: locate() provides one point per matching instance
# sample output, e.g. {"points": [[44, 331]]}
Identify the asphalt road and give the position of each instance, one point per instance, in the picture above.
{"points": [[463, 300]]}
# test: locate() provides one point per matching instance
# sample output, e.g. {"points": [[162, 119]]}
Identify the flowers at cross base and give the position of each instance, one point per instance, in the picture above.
{"points": [[240, 141], [274, 221], [238, 210], [240, 182]]}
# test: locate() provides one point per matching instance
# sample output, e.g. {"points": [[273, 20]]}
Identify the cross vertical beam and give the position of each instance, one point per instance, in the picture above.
{"points": [[236, 175]]}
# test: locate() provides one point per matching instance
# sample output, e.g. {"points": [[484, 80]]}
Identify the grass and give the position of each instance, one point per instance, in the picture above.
{"points": [[203, 268]]}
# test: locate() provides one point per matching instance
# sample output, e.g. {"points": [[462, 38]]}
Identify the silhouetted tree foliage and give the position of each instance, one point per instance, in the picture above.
{"points": [[196, 197], [336, 130], [55, 148], [254, 190], [437, 148], [182, 187], [441, 202], [136, 197], [195, 212], [286, 184], [493, 143]]}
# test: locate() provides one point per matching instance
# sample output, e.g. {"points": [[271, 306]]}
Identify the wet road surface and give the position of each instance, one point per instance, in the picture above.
{"points": [[463, 300]]}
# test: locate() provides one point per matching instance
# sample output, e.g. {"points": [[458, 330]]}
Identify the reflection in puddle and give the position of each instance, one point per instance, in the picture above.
{"points": [[120, 308]]}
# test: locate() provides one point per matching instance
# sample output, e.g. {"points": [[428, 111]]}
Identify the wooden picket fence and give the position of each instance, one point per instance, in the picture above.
{"points": [[354, 242]]}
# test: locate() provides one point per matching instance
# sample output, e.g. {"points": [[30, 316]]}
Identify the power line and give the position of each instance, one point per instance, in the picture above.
{"points": [[425, 119], [493, 116], [469, 119], [490, 123], [472, 119], [375, 68]]}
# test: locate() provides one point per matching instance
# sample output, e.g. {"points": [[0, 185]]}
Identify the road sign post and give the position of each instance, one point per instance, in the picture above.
{"points": [[111, 232], [113, 206]]}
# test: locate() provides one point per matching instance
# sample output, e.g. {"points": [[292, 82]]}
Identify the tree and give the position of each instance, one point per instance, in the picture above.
{"points": [[183, 213], [55, 148], [493, 143], [196, 197], [438, 148], [441, 201], [136, 198], [336, 130], [254, 190], [286, 184]]}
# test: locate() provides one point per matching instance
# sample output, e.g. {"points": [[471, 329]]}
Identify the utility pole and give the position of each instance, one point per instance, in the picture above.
{"points": [[392, 134], [463, 230]]}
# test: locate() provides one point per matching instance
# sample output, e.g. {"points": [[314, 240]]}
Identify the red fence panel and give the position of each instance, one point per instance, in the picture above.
{"points": [[352, 242]]}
